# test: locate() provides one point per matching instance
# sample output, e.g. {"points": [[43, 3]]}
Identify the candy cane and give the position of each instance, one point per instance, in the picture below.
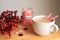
{"points": [[53, 18], [48, 16]]}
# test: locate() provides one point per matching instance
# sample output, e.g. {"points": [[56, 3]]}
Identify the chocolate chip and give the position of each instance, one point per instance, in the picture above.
{"points": [[25, 28], [20, 34]]}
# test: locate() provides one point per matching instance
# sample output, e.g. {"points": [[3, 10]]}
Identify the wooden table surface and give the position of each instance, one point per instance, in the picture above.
{"points": [[30, 35]]}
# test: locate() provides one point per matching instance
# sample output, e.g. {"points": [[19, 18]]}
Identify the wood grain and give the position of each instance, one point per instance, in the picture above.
{"points": [[30, 35]]}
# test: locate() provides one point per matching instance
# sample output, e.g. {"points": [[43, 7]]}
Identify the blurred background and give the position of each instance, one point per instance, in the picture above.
{"points": [[39, 7]]}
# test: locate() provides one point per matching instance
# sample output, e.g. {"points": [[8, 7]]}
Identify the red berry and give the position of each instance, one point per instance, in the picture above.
{"points": [[15, 25], [14, 20], [12, 28], [2, 28], [4, 32], [11, 11], [9, 22], [5, 25], [2, 21], [17, 17], [15, 11], [2, 16], [8, 11], [10, 34]]}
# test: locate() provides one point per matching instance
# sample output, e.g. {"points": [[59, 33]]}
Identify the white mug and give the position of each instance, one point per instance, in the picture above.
{"points": [[43, 28]]}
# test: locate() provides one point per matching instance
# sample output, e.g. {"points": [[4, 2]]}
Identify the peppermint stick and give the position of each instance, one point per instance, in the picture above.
{"points": [[48, 16], [53, 18]]}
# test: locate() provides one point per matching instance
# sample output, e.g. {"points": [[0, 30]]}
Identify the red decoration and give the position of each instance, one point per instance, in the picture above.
{"points": [[8, 22]]}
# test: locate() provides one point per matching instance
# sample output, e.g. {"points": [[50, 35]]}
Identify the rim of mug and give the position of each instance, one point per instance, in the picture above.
{"points": [[42, 22]]}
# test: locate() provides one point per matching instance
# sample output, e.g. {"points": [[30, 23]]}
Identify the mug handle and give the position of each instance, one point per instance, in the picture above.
{"points": [[54, 28]]}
